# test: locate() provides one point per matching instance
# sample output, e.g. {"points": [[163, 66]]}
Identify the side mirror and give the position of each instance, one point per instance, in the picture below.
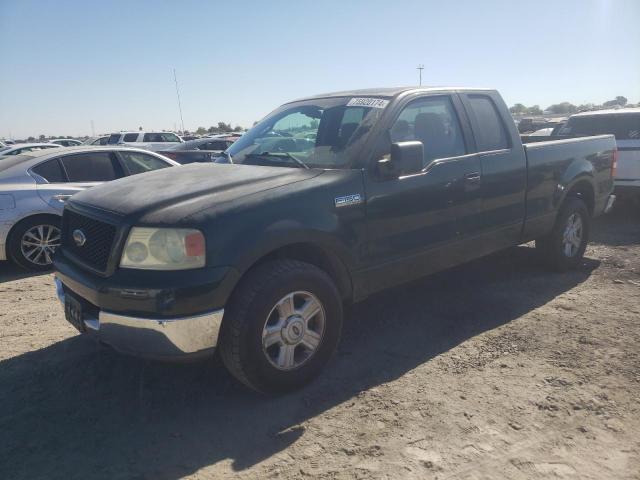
{"points": [[405, 158]]}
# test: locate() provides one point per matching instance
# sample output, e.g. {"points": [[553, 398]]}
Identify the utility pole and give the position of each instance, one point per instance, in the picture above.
{"points": [[178, 95], [420, 68]]}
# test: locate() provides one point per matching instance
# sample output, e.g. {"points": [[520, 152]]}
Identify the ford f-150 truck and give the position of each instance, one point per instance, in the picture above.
{"points": [[326, 200]]}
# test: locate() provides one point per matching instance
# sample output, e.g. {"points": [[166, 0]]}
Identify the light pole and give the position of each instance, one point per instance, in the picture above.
{"points": [[420, 68]]}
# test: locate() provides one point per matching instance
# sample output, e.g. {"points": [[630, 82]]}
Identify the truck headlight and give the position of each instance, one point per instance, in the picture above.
{"points": [[164, 249]]}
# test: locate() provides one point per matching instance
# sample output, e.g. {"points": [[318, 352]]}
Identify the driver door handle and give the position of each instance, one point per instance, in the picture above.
{"points": [[472, 177]]}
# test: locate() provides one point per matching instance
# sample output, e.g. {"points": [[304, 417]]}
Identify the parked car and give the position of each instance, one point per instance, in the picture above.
{"points": [[22, 148], [201, 150], [66, 142], [624, 124], [543, 132], [34, 187], [148, 140], [529, 125], [256, 257], [96, 140]]}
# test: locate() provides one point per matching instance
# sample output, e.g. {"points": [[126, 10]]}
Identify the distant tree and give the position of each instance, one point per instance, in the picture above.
{"points": [[238, 128], [201, 131], [587, 107], [518, 109], [224, 127], [31, 139], [563, 108], [618, 101], [534, 110], [42, 137]]}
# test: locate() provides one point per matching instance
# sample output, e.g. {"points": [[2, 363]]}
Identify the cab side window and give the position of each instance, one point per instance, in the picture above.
{"points": [[131, 137], [488, 128], [434, 122]]}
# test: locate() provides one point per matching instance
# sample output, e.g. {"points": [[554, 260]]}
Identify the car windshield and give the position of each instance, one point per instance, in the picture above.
{"points": [[320, 133], [625, 126]]}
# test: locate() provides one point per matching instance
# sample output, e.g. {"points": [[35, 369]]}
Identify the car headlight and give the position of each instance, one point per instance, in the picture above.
{"points": [[164, 249]]}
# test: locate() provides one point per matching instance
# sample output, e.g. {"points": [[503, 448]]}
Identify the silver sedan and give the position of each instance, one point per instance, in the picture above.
{"points": [[34, 187]]}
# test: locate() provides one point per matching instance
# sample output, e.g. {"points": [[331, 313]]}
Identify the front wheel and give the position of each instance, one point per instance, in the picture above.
{"points": [[564, 247], [282, 326]]}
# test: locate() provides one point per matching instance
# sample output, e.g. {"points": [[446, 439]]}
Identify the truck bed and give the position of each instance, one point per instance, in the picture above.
{"points": [[551, 163]]}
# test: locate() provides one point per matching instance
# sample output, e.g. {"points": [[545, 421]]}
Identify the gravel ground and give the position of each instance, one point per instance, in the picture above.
{"points": [[497, 369]]}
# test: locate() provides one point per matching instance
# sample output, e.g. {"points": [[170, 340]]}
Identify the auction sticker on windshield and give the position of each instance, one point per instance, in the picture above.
{"points": [[368, 102]]}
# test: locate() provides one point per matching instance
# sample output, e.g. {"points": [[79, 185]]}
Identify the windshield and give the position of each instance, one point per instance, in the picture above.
{"points": [[625, 126], [320, 133]]}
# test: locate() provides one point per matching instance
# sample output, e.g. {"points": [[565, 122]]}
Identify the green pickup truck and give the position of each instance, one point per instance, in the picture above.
{"points": [[327, 200]]}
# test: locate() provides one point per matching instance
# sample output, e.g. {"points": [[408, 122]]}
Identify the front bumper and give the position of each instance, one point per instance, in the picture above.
{"points": [[160, 338]]}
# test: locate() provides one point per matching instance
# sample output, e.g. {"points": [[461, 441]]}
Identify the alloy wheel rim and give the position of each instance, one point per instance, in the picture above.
{"points": [[293, 330], [39, 243], [572, 237]]}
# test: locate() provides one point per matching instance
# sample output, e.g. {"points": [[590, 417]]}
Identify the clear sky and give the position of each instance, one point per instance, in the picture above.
{"points": [[65, 63]]}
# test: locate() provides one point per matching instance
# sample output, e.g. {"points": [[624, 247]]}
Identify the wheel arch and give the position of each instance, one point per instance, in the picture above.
{"points": [[583, 189], [308, 251]]}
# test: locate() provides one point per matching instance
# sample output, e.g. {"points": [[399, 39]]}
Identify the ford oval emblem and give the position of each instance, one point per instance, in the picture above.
{"points": [[79, 237]]}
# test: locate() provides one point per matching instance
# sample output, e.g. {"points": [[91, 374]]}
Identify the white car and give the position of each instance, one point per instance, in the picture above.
{"points": [[21, 148], [148, 140], [34, 187], [66, 142], [624, 123], [543, 132]]}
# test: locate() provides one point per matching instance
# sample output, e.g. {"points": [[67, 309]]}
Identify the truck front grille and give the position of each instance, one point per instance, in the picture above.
{"points": [[98, 239]]}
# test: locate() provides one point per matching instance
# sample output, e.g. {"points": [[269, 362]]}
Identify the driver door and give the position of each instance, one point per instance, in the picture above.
{"points": [[416, 223]]}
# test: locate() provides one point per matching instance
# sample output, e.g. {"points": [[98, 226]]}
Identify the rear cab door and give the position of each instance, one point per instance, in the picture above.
{"points": [[503, 169]]}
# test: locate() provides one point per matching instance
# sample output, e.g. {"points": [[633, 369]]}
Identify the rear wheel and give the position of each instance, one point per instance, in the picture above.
{"points": [[282, 326], [564, 247], [33, 241]]}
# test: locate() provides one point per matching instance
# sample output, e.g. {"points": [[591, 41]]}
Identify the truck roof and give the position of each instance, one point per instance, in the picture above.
{"points": [[389, 92], [610, 111]]}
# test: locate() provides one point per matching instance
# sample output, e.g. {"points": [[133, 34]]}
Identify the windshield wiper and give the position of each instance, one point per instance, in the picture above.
{"points": [[279, 155]]}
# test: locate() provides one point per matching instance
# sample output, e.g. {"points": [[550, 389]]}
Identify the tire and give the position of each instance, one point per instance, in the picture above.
{"points": [[554, 248], [21, 244], [268, 345]]}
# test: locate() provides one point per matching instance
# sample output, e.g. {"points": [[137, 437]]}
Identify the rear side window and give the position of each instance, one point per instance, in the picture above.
{"points": [[90, 167], [136, 162], [130, 137], [488, 128], [50, 170], [625, 126], [114, 138], [161, 137]]}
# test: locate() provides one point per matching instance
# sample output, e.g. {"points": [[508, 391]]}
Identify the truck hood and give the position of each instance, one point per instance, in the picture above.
{"points": [[171, 194]]}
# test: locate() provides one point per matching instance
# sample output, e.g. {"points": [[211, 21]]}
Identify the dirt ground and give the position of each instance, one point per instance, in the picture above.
{"points": [[497, 369]]}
